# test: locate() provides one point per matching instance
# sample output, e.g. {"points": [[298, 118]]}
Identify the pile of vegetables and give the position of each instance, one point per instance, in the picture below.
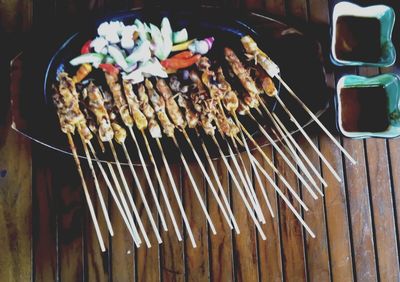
{"points": [[141, 50]]}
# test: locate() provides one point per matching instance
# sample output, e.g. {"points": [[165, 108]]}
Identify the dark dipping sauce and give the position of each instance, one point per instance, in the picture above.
{"points": [[364, 109], [358, 39]]}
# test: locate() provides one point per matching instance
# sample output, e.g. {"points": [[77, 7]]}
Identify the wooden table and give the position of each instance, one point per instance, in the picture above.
{"points": [[46, 233]]}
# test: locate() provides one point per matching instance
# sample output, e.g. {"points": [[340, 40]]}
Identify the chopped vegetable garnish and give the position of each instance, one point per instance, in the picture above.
{"points": [[109, 68], [180, 36], [201, 46], [90, 58], [183, 55], [182, 46], [174, 63], [86, 47]]}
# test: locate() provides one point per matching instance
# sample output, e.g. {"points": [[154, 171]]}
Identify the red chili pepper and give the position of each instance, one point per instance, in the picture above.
{"points": [[109, 68], [183, 55], [86, 47], [174, 63]]}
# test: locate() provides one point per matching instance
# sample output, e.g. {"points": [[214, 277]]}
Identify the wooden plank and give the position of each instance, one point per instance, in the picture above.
{"points": [[172, 265], [221, 244], [244, 245], [394, 154], [147, 259], [269, 251], [294, 266], [382, 204], [98, 267], [71, 210], [196, 260], [15, 206], [275, 7], [123, 251], [44, 216], [360, 212], [317, 249], [16, 15]]}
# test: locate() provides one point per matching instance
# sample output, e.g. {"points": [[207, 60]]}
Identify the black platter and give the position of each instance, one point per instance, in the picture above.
{"points": [[297, 53]]}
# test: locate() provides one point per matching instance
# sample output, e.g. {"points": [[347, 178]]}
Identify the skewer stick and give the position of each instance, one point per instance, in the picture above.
{"points": [[142, 195], [85, 190], [286, 135], [208, 179], [309, 189], [258, 178], [286, 159], [149, 180], [196, 190], [176, 193], [130, 198], [242, 177], [219, 184], [285, 199], [98, 189], [293, 119], [162, 188], [250, 189], [239, 189], [284, 181], [131, 229], [315, 118]]}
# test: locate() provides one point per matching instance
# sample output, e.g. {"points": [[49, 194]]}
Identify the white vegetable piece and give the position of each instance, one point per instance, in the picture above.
{"points": [[134, 77], [153, 68], [140, 54], [166, 32], [111, 31], [98, 44]]}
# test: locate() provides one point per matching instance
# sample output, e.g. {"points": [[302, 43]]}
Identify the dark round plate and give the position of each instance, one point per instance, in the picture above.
{"points": [[297, 54]]}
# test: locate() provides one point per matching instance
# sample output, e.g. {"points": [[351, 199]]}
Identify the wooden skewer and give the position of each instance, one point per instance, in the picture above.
{"points": [[149, 180], [239, 170], [219, 184], [315, 118], [290, 141], [176, 193], [258, 178], [132, 229], [239, 189], [309, 189], [195, 188], [284, 181], [208, 179], [250, 189], [162, 188], [293, 119], [86, 192], [286, 135], [130, 198], [285, 199], [286, 159], [98, 189], [142, 195]]}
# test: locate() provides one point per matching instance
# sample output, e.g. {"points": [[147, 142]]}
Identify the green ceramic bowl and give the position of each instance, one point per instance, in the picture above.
{"points": [[391, 85], [386, 17]]}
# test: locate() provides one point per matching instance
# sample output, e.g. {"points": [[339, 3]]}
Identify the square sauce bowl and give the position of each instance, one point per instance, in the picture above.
{"points": [[362, 36], [369, 106]]}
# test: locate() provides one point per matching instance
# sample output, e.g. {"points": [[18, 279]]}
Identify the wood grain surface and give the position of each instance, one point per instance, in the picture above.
{"points": [[46, 233]]}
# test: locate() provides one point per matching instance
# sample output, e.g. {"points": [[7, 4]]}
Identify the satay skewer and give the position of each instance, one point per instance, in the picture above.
{"points": [[142, 123], [155, 132], [70, 116], [253, 93], [208, 103], [273, 71], [132, 229], [109, 130], [168, 129], [179, 121], [86, 192]]}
